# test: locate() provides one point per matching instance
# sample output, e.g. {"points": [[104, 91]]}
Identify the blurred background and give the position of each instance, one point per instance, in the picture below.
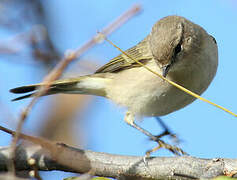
{"points": [[35, 34]]}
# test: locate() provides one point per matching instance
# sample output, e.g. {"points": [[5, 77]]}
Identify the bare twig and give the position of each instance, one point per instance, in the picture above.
{"points": [[32, 39], [55, 156], [57, 71], [15, 43]]}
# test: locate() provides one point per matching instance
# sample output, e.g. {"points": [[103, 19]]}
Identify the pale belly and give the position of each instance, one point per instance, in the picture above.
{"points": [[149, 101], [145, 94]]}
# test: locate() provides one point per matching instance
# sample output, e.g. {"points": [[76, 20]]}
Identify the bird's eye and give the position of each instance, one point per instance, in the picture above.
{"points": [[214, 40], [177, 49]]}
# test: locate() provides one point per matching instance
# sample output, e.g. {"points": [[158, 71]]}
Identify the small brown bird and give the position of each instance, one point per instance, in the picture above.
{"points": [[176, 48]]}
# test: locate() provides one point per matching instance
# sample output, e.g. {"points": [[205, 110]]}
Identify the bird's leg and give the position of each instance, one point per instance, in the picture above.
{"points": [[166, 131], [130, 118]]}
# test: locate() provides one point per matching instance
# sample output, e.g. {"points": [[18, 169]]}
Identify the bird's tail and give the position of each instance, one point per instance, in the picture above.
{"points": [[81, 85]]}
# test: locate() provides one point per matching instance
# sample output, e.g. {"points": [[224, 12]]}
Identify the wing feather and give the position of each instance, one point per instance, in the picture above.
{"points": [[140, 52]]}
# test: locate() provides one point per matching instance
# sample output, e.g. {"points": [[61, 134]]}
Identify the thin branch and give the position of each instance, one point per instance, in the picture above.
{"points": [[57, 156], [57, 71]]}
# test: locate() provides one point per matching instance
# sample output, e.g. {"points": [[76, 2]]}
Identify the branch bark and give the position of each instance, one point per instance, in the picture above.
{"points": [[49, 156], [118, 166]]}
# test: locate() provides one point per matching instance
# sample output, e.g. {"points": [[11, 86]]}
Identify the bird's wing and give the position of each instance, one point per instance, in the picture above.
{"points": [[140, 52]]}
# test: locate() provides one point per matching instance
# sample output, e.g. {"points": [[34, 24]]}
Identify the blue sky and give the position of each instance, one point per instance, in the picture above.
{"points": [[205, 131]]}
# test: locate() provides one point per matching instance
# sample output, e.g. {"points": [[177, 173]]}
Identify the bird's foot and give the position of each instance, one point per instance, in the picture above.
{"points": [[161, 144]]}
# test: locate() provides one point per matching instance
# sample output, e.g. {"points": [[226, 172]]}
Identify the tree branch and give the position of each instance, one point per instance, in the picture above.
{"points": [[57, 156], [110, 165]]}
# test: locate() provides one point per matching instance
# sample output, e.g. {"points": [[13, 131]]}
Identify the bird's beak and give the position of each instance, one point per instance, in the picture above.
{"points": [[165, 70]]}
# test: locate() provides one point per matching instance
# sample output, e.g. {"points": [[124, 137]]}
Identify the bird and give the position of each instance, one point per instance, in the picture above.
{"points": [[176, 48]]}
